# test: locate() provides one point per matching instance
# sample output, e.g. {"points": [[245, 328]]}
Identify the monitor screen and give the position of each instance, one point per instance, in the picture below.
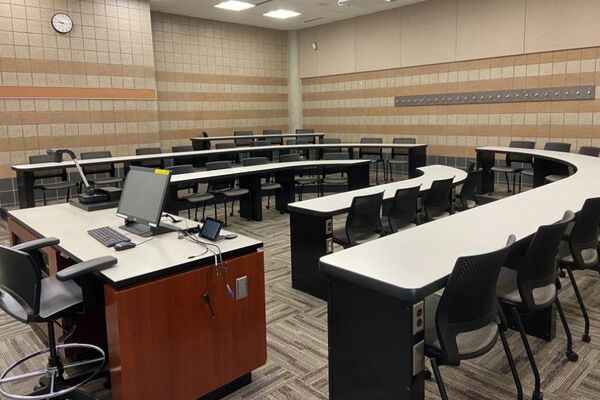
{"points": [[143, 195]]}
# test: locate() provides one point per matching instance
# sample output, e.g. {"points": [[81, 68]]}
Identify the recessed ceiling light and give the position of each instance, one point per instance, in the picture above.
{"points": [[234, 5], [281, 14]]}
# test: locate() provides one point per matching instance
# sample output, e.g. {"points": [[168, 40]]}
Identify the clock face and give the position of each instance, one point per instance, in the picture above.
{"points": [[62, 23]]}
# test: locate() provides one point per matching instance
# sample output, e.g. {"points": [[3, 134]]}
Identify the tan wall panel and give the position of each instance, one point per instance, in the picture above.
{"points": [[378, 40], [308, 59], [489, 28], [429, 32], [562, 24], [337, 49]]}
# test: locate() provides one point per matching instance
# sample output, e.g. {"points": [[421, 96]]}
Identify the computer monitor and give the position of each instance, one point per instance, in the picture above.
{"points": [[143, 199]]}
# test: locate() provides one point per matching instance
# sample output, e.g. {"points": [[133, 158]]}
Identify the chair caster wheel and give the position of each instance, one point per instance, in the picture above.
{"points": [[427, 375], [537, 396], [562, 273], [586, 338], [572, 356]]}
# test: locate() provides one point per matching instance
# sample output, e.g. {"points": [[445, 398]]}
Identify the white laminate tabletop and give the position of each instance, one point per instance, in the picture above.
{"points": [[70, 224], [416, 261], [336, 203], [283, 135]]}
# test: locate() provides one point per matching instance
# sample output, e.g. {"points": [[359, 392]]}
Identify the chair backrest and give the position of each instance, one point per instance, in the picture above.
{"points": [[370, 151], [584, 235], [225, 145], [521, 144], [403, 210], [20, 281], [47, 173], [243, 141], [97, 169], [437, 198], [469, 301], [308, 130], [589, 151], [336, 156], [538, 268], [262, 142], [324, 150], [274, 132], [289, 157], [364, 216], [182, 160], [398, 140], [181, 169], [254, 161], [470, 186], [223, 183], [149, 163], [558, 146]]}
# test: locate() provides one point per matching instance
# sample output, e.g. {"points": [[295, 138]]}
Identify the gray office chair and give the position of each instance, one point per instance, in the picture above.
{"points": [[363, 223], [375, 155], [467, 197], [160, 163], [111, 179], [230, 156], [182, 160], [274, 136], [193, 199], [263, 153], [398, 157], [224, 188], [437, 200], [304, 153], [332, 149], [333, 176], [528, 284], [243, 141], [308, 176], [29, 298], [62, 184], [515, 158], [465, 321], [268, 187], [308, 130], [579, 251], [552, 146], [583, 150], [402, 212]]}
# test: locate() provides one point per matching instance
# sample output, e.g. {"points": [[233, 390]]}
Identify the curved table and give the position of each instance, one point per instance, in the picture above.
{"points": [[377, 289], [311, 224]]}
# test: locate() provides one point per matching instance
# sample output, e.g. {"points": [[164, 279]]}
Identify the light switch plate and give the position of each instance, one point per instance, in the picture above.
{"points": [[241, 288], [418, 358]]}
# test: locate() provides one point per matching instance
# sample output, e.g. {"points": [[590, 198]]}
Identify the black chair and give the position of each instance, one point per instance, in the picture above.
{"points": [[305, 153], [268, 187], [243, 141], [374, 154], [182, 160], [332, 149], [28, 297], [583, 150], [308, 130], [333, 176], [61, 184], [515, 158], [437, 200], [398, 157], [467, 197], [308, 176], [160, 163], [552, 146], [229, 156], [224, 188], [275, 136], [193, 199], [579, 251], [111, 179], [205, 144], [363, 223], [465, 321], [264, 153], [528, 284], [402, 212]]}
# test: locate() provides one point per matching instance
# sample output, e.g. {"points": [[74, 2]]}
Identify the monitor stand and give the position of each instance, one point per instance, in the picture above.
{"points": [[146, 230]]}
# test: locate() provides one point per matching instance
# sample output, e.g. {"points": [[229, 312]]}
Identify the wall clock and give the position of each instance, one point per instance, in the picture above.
{"points": [[62, 23]]}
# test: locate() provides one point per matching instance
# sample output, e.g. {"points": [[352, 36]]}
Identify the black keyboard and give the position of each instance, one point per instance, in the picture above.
{"points": [[108, 236]]}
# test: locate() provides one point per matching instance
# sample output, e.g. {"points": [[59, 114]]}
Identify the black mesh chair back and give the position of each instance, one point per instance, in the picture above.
{"points": [[437, 198], [160, 163], [223, 183], [364, 217], [47, 173], [182, 160], [336, 156], [97, 169], [275, 133], [289, 157], [521, 144], [328, 149], [402, 152], [183, 169], [558, 146], [469, 300], [539, 267], [308, 130], [243, 141], [589, 151], [470, 188], [230, 156], [20, 281], [246, 162], [371, 151], [266, 153], [584, 235], [225, 145], [403, 210]]}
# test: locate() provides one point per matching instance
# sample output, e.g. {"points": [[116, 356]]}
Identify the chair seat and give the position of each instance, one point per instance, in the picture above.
{"points": [[506, 169], [270, 186], [590, 258], [397, 161], [236, 192], [58, 298], [468, 343], [106, 181], [195, 198], [508, 290], [554, 178], [331, 180], [386, 229], [56, 185], [340, 237], [527, 172], [306, 180]]}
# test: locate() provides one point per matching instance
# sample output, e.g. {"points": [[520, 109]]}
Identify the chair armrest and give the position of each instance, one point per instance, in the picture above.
{"points": [[86, 267], [36, 244], [483, 199]]}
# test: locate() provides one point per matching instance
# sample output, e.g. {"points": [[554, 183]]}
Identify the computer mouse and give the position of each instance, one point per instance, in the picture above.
{"points": [[124, 246]]}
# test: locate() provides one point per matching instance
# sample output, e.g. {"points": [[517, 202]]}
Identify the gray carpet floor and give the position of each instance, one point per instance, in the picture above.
{"points": [[297, 339]]}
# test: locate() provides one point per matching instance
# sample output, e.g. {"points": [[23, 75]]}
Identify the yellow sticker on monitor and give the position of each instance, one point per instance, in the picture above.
{"points": [[162, 171]]}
